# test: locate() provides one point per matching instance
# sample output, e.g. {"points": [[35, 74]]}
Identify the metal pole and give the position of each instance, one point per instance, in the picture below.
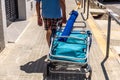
{"points": [[87, 9], [84, 6], [82, 3], [108, 35]]}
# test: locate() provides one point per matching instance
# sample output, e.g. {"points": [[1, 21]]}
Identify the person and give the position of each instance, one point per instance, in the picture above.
{"points": [[78, 2], [52, 12]]}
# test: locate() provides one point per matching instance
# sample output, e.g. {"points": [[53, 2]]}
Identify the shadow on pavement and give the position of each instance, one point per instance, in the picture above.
{"points": [[34, 66]]}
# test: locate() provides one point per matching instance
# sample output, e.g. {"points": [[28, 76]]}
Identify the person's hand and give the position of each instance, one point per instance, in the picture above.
{"points": [[40, 21]]}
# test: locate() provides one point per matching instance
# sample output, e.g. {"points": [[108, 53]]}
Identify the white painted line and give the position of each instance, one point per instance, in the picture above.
{"points": [[23, 31]]}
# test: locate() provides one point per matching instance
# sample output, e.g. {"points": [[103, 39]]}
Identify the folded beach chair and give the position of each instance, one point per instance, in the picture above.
{"points": [[70, 50]]}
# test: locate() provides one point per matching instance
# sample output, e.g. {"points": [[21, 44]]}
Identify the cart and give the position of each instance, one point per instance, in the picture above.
{"points": [[69, 50]]}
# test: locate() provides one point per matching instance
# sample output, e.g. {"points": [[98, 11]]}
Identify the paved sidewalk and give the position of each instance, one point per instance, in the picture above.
{"points": [[115, 31], [30, 47]]}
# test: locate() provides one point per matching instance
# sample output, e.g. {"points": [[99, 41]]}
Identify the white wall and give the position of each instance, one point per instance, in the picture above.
{"points": [[22, 9], [26, 8], [30, 8], [4, 22]]}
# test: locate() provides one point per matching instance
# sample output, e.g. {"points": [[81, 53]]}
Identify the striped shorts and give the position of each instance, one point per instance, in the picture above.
{"points": [[51, 23]]}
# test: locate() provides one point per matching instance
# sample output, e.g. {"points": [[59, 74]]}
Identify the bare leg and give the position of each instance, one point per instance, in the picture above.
{"points": [[48, 35]]}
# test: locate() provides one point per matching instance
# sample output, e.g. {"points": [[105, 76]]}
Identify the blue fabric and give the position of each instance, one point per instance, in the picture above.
{"points": [[50, 8], [76, 34], [70, 50], [73, 48], [69, 25]]}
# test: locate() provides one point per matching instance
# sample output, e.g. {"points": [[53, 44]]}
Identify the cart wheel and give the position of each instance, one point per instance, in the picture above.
{"points": [[47, 71], [49, 66], [90, 73]]}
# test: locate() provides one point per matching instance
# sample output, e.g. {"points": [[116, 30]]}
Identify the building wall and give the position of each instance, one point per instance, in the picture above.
{"points": [[2, 36], [22, 9], [30, 8], [26, 8], [11, 7]]}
